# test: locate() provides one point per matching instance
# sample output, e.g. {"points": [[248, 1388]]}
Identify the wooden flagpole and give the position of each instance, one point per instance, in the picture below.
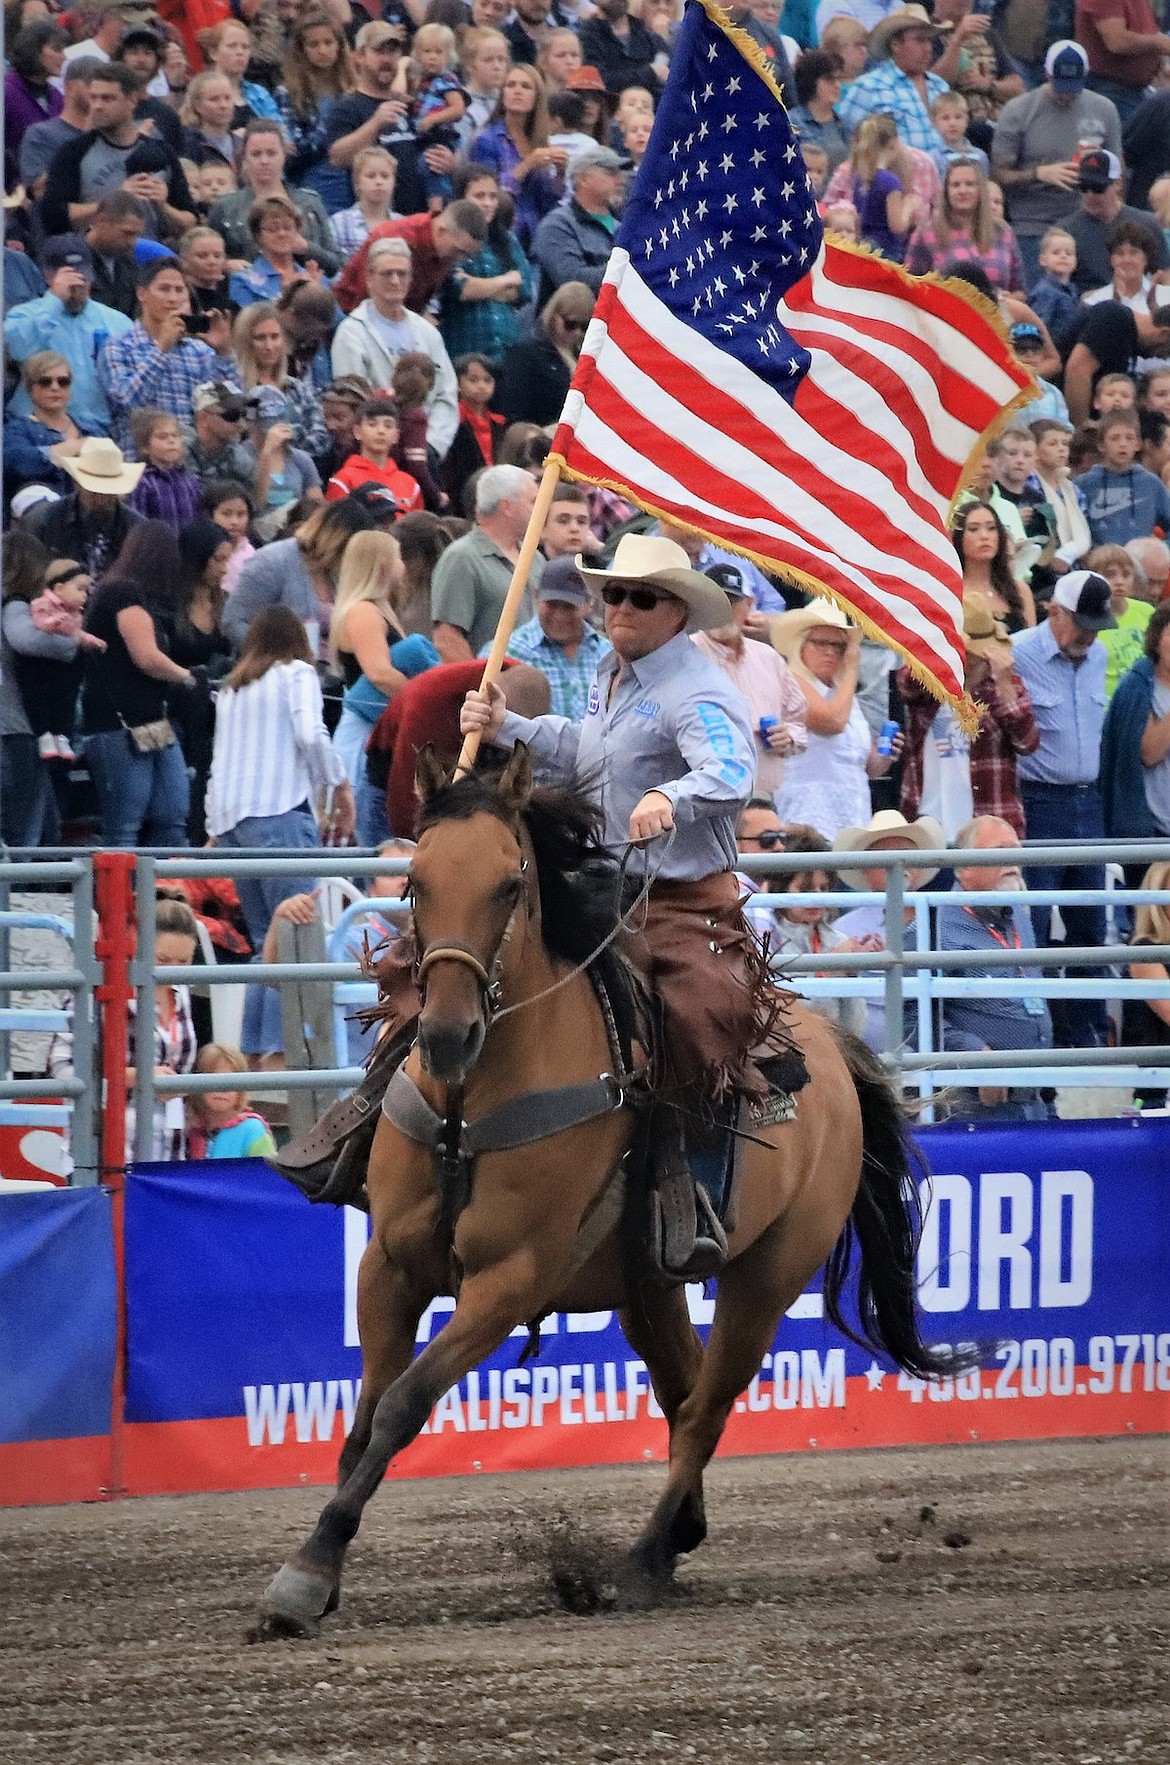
{"points": [[495, 662]]}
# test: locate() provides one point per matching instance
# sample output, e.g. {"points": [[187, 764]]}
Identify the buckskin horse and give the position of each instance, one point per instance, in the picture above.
{"points": [[503, 1181]]}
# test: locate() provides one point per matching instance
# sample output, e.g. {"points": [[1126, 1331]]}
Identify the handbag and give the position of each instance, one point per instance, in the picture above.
{"points": [[150, 738]]}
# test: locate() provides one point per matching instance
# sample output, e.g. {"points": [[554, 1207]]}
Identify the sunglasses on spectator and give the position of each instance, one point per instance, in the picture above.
{"points": [[769, 839], [54, 379], [232, 416], [643, 600]]}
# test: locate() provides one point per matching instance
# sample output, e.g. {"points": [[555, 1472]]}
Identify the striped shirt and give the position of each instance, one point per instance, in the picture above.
{"points": [[272, 750]]}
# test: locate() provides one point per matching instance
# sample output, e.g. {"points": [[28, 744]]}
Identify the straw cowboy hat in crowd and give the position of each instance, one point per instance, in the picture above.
{"points": [[99, 466], [903, 18], [983, 633], [789, 630], [660, 563], [925, 835]]}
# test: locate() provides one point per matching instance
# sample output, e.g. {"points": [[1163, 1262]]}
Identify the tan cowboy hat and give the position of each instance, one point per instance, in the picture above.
{"points": [[646, 557], [789, 630], [903, 18], [925, 834], [983, 633], [100, 466]]}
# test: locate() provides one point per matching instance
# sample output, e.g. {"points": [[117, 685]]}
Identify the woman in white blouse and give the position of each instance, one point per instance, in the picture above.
{"points": [[275, 778], [827, 787]]}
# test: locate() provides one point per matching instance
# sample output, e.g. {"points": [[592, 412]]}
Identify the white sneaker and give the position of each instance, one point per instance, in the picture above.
{"points": [[47, 746], [65, 749]]}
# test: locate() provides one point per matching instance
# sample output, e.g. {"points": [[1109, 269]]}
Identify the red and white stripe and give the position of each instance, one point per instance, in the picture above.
{"points": [[849, 486]]}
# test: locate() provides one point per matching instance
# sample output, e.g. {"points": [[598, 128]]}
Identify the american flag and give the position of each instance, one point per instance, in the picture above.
{"points": [[805, 404]]}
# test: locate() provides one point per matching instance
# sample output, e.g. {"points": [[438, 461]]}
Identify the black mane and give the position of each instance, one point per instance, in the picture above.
{"points": [[582, 887]]}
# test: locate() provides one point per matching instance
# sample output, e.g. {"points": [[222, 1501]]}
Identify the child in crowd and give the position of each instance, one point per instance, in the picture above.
{"points": [[165, 492], [1155, 392], [211, 183], [438, 102], [1125, 643], [816, 164], [229, 504], [1028, 343], [566, 112], [1054, 299], [950, 114], [1052, 472], [483, 60], [634, 101], [481, 430], [1122, 500], [635, 137], [841, 220], [220, 1123], [285, 474], [411, 384], [48, 684], [376, 435], [1018, 491], [373, 172], [1114, 393]]}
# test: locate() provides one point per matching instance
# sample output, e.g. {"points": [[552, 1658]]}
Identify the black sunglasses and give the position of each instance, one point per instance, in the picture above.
{"points": [[643, 600], [769, 839], [231, 416], [55, 380]]}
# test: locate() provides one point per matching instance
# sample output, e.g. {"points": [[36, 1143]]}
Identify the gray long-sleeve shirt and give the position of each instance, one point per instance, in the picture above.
{"points": [[675, 724], [21, 634], [275, 576]]}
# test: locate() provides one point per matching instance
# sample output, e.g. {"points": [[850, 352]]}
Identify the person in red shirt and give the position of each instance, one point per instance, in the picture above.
{"points": [[426, 712], [376, 432], [437, 242], [1125, 49], [480, 432]]}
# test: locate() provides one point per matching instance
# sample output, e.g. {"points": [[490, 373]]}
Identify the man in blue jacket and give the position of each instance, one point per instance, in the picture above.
{"points": [[67, 321]]}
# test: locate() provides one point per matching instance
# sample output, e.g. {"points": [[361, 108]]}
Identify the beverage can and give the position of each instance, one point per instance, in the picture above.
{"points": [[885, 740], [766, 726]]}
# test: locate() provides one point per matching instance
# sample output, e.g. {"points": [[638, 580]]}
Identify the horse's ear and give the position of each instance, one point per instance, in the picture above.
{"points": [[514, 785], [431, 773]]}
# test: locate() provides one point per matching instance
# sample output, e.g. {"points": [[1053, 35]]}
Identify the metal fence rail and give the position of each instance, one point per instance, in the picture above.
{"points": [[923, 976]]}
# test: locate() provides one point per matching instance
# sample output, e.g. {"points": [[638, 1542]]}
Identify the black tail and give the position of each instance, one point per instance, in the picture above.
{"points": [[887, 1222]]}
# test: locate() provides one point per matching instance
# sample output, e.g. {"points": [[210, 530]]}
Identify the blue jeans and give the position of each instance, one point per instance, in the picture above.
{"points": [[1056, 813], [260, 896], [27, 811], [139, 792], [373, 823]]}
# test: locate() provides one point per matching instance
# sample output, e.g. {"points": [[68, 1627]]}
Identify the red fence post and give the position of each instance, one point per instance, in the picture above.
{"points": [[114, 949]]}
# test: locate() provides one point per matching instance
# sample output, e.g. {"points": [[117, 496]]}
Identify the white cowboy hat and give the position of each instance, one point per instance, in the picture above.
{"points": [[925, 834], [789, 630], [903, 18], [645, 557], [100, 466]]}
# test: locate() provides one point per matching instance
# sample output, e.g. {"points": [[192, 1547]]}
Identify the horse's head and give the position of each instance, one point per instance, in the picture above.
{"points": [[472, 887]]}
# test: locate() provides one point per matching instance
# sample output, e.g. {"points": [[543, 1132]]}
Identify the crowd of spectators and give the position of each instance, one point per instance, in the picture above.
{"points": [[293, 296]]}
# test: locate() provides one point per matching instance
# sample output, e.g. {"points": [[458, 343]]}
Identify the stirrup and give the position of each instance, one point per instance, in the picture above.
{"points": [[687, 1241]]}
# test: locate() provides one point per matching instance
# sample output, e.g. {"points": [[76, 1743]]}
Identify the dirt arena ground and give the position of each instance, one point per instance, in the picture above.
{"points": [[969, 1606]]}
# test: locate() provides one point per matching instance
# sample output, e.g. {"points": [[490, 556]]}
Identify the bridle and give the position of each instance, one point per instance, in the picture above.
{"points": [[487, 973]]}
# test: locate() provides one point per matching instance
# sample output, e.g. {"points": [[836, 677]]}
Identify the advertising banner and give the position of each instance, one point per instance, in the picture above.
{"points": [[57, 1311], [1045, 1242]]}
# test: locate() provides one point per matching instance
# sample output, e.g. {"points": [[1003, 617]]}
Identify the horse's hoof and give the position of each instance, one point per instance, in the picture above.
{"points": [[294, 1605]]}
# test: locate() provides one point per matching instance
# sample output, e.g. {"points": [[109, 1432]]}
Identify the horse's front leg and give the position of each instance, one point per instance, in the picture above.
{"points": [[391, 1298], [490, 1305]]}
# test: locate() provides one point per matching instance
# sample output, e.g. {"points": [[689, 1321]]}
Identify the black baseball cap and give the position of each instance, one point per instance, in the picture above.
{"points": [[1088, 598], [67, 251], [730, 579], [1097, 170]]}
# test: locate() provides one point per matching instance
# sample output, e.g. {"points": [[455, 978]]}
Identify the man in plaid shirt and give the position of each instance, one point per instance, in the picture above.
{"points": [[559, 641], [157, 364], [900, 84]]}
